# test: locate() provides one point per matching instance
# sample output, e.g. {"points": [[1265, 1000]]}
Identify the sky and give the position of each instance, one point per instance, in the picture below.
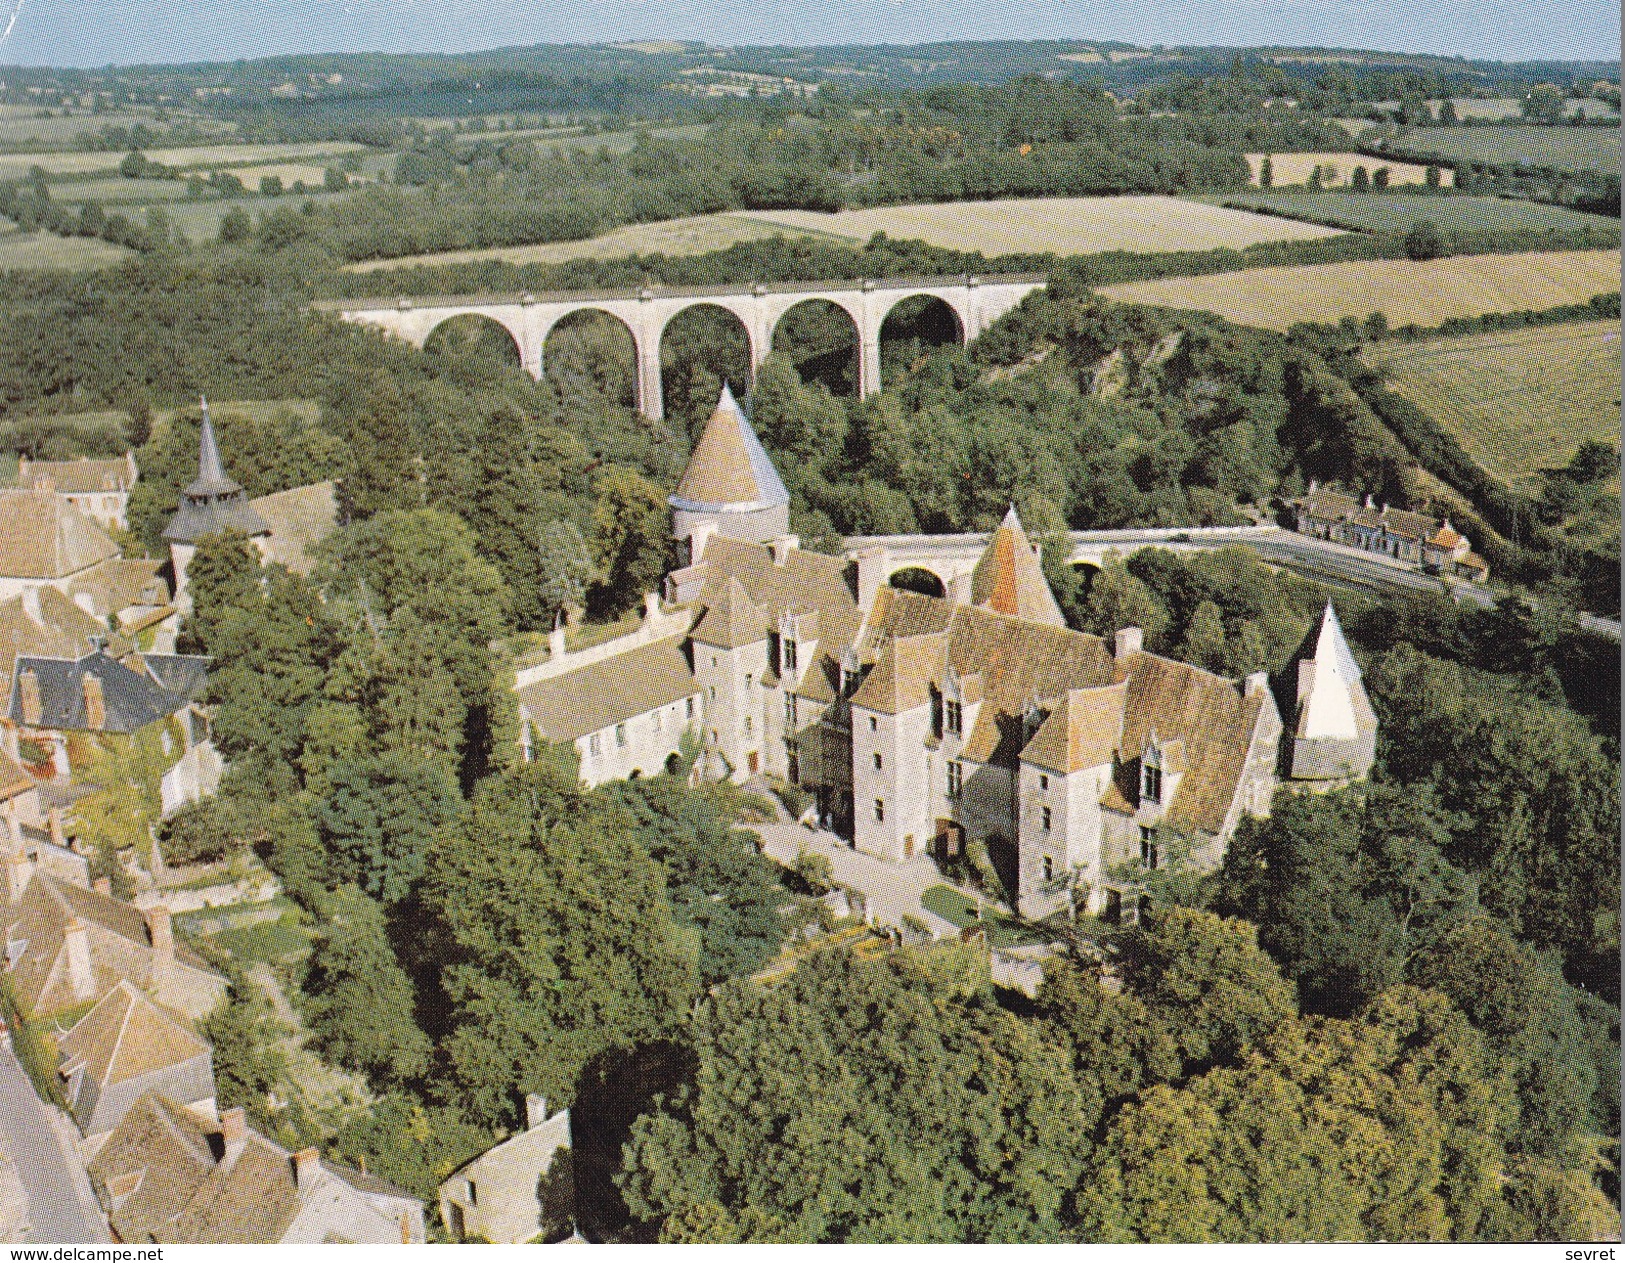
{"points": [[98, 32]]}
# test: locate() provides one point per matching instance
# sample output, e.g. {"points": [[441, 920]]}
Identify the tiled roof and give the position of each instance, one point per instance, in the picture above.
{"points": [[1334, 506], [126, 1035], [14, 779], [729, 469], [130, 699], [1084, 729], [45, 537], [298, 519], [120, 582], [730, 618], [1009, 578], [1446, 536], [63, 630], [610, 691], [77, 477], [904, 670]]}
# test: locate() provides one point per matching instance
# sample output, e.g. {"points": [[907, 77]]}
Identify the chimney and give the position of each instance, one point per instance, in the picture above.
{"points": [[1256, 684], [782, 547], [54, 820], [1370, 502], [81, 977], [1314, 485], [535, 1111], [162, 935], [555, 644], [651, 606], [22, 470], [31, 607], [406, 1228], [307, 1166], [95, 702], [18, 871], [28, 688], [103, 886], [1129, 640], [233, 1126]]}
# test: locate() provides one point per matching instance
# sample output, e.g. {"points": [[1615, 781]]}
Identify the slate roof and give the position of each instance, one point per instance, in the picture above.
{"points": [[77, 477], [603, 693], [185, 675], [63, 630], [125, 1036], [1009, 577], [298, 519], [44, 537], [131, 699], [212, 502], [729, 471]]}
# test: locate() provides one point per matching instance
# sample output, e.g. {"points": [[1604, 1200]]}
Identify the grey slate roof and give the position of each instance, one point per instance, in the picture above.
{"points": [[183, 674], [132, 700], [212, 502]]}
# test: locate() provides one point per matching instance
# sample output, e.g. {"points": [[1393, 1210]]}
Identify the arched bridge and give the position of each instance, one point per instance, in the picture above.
{"points": [[528, 318]]}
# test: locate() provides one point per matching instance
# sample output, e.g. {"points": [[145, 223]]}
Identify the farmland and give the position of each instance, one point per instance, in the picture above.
{"points": [[1062, 225], [1378, 212], [1518, 400], [1563, 148], [41, 251], [15, 166], [697, 234], [1337, 169], [1502, 109], [1406, 292]]}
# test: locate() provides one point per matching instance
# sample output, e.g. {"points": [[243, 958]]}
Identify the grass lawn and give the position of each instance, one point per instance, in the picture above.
{"points": [[1003, 929], [1519, 400], [1062, 225], [1406, 292]]}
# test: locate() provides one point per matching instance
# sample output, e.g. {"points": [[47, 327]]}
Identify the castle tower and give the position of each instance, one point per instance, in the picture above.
{"points": [[1009, 577], [730, 487], [1336, 731], [211, 503]]}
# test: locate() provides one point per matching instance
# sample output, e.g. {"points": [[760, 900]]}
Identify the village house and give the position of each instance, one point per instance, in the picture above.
{"points": [[127, 1046], [1429, 543], [925, 724], [99, 489], [169, 1174], [517, 1191]]}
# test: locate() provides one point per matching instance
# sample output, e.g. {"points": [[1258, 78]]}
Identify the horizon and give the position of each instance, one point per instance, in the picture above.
{"points": [[88, 34]]}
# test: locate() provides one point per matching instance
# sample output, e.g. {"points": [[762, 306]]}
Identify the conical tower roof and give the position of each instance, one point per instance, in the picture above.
{"points": [[211, 477], [729, 471], [1328, 711], [1009, 578]]}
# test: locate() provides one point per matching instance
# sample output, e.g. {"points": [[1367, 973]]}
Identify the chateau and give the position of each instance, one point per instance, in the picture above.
{"points": [[921, 724]]}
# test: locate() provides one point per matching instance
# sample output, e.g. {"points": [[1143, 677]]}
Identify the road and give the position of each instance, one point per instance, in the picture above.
{"points": [[61, 1206]]}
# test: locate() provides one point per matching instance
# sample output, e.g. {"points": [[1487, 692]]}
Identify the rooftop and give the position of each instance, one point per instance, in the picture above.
{"points": [[729, 471]]}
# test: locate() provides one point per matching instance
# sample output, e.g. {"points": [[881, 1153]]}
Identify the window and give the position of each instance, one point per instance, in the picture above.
{"points": [[688, 708], [792, 759], [1044, 819], [953, 716], [1151, 784], [787, 657], [956, 778], [750, 680], [1043, 780], [473, 1193], [594, 746], [713, 659], [1049, 869], [620, 736], [880, 811], [748, 724], [874, 724], [879, 762], [789, 710], [713, 692], [1148, 846]]}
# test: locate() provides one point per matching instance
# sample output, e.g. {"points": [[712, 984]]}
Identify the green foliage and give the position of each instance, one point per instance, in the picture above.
{"points": [[562, 941], [378, 818], [915, 1113], [249, 1063], [566, 567], [200, 831], [413, 1145], [631, 533], [358, 999], [1424, 240], [223, 574]]}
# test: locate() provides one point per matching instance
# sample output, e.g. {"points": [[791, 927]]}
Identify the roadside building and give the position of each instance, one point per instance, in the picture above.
{"points": [[168, 1174], [519, 1190], [1429, 543]]}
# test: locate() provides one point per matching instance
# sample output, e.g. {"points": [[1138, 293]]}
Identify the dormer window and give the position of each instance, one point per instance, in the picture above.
{"points": [[1150, 783], [953, 716], [787, 656]]}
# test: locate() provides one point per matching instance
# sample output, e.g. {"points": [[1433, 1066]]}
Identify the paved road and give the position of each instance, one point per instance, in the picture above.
{"points": [[60, 1203]]}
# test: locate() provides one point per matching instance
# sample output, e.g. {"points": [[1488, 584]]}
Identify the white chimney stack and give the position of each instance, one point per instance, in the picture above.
{"points": [[1129, 640], [535, 1111]]}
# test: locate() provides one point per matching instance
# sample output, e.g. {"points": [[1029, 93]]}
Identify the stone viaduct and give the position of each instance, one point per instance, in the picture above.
{"points": [[529, 318], [949, 559]]}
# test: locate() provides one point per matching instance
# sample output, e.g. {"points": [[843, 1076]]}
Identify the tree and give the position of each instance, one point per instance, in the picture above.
{"points": [[235, 226], [1266, 173], [1424, 240], [1431, 177], [1361, 180], [566, 567], [200, 831], [223, 575], [1447, 118], [383, 472], [561, 941], [1204, 638], [1379, 178], [631, 532], [1117, 599], [378, 818], [358, 999], [1544, 103]]}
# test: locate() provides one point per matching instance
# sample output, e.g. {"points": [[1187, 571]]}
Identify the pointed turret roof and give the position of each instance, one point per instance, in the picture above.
{"points": [[212, 502], [1009, 578], [1329, 709], [729, 471]]}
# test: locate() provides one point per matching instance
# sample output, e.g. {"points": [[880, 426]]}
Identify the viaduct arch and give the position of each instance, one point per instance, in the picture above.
{"points": [[975, 303]]}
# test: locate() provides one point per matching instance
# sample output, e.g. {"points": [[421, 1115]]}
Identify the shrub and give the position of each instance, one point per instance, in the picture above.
{"points": [[1424, 240]]}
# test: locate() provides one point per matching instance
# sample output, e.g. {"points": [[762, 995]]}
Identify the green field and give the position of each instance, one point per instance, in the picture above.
{"points": [[1563, 148], [118, 191], [1518, 401], [1396, 212], [40, 251], [1425, 293]]}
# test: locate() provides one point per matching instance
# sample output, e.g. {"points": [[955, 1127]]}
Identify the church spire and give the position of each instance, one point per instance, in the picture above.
{"points": [[212, 481]]}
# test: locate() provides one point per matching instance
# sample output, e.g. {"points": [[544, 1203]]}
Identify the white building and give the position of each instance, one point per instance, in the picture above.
{"points": [[518, 1190]]}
